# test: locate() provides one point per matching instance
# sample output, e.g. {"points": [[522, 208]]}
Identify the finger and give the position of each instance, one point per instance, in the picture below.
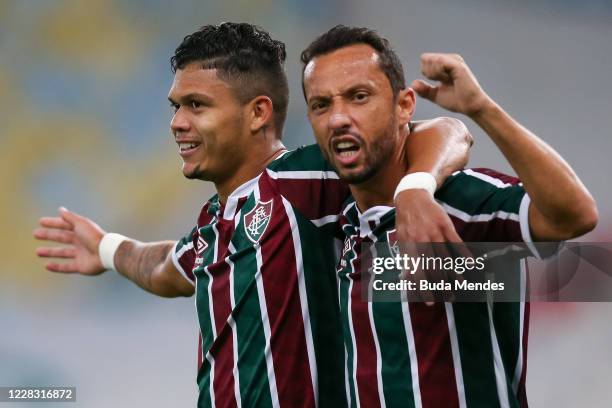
{"points": [[444, 252], [456, 57], [424, 90], [69, 216], [458, 246], [429, 274], [407, 248], [436, 250], [450, 234], [70, 267], [438, 67], [421, 274], [55, 252], [457, 249], [61, 236], [54, 222], [437, 237]]}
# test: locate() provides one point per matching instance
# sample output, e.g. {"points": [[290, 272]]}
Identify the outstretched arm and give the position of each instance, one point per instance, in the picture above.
{"points": [[561, 207], [149, 265], [439, 147]]}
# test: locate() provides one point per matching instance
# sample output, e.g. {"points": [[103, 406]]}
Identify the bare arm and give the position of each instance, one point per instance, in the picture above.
{"points": [[148, 265], [439, 147], [561, 207]]}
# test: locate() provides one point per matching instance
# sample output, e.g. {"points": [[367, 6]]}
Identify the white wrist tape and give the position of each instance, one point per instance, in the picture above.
{"points": [[418, 180], [107, 248]]}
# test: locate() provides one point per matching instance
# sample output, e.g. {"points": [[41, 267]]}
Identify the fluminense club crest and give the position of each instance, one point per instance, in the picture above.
{"points": [[392, 241], [256, 221]]}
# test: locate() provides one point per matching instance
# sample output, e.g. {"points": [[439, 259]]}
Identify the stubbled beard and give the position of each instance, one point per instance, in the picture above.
{"points": [[377, 155], [195, 174], [367, 173]]}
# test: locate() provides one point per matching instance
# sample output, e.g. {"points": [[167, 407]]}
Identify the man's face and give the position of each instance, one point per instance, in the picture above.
{"points": [[352, 111], [207, 124]]}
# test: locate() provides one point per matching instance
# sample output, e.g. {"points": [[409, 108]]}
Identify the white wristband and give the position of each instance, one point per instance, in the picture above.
{"points": [[418, 180], [107, 248]]}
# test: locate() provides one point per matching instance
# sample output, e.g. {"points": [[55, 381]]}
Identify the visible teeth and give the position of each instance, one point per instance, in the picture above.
{"points": [[348, 153], [345, 145], [186, 146]]}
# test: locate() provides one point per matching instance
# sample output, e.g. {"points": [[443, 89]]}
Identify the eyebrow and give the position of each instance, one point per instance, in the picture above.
{"points": [[351, 90], [191, 96]]}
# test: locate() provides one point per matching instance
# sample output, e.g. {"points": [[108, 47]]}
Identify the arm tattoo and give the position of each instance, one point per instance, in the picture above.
{"points": [[137, 261]]}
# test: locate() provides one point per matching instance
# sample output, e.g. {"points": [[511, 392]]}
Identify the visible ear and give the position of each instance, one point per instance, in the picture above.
{"points": [[261, 113], [406, 102]]}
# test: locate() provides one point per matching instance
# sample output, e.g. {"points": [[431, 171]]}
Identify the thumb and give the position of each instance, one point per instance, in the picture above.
{"points": [[424, 89]]}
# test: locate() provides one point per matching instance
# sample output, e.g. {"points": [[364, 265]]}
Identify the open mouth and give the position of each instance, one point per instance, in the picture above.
{"points": [[186, 148], [346, 149]]}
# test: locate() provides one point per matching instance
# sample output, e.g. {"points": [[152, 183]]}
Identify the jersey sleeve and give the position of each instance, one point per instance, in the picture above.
{"points": [[487, 206], [183, 255], [310, 184]]}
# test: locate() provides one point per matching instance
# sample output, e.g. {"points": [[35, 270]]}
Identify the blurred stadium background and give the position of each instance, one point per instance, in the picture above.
{"points": [[84, 123]]}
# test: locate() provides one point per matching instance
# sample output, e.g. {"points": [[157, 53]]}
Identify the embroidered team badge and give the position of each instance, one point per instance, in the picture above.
{"points": [[256, 221], [392, 241]]}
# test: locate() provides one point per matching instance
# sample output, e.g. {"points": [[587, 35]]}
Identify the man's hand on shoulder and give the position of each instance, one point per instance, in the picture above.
{"points": [[419, 218], [421, 222]]}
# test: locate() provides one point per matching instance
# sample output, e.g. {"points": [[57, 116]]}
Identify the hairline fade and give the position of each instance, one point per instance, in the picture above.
{"points": [[246, 57]]}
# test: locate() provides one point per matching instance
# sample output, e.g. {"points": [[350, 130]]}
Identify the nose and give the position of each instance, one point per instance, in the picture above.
{"points": [[179, 123], [339, 118]]}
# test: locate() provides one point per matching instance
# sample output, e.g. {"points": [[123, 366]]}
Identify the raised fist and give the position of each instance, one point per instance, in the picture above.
{"points": [[457, 91]]}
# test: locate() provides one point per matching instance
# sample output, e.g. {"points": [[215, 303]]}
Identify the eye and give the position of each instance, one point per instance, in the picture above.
{"points": [[318, 106], [174, 106], [195, 105], [360, 96]]}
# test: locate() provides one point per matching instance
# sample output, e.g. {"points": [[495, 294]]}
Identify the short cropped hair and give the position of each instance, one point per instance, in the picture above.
{"points": [[342, 36], [246, 57]]}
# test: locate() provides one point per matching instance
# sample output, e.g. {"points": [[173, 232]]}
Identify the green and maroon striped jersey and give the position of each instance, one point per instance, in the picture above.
{"points": [[266, 296], [408, 354]]}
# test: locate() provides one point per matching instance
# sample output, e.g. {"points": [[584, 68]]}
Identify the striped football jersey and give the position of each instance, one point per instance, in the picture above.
{"points": [[408, 354], [266, 296]]}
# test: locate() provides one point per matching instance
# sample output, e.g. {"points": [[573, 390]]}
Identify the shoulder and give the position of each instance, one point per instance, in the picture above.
{"points": [[304, 158], [481, 189], [486, 178], [208, 211], [476, 181]]}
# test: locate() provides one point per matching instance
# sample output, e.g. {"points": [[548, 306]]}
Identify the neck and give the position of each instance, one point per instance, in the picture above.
{"points": [[379, 189], [253, 166]]}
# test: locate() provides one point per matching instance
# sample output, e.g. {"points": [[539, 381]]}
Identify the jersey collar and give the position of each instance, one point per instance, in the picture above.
{"points": [[365, 222], [235, 200]]}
